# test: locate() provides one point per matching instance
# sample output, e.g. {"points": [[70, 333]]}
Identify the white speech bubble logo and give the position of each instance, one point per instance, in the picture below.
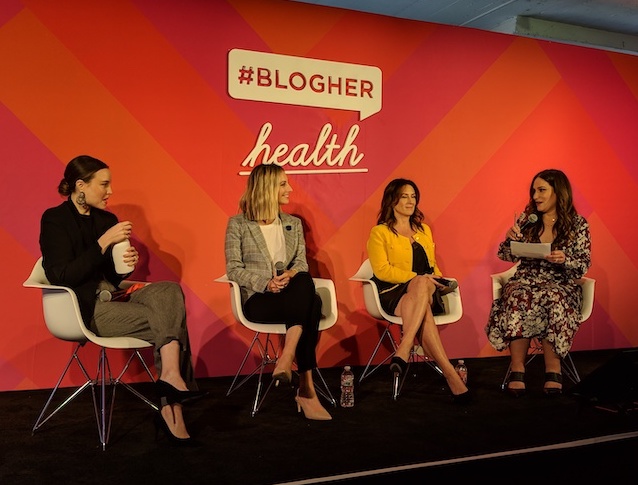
{"points": [[277, 78]]}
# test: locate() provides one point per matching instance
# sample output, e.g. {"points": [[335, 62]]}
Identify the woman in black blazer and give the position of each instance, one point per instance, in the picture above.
{"points": [[76, 240], [266, 256]]}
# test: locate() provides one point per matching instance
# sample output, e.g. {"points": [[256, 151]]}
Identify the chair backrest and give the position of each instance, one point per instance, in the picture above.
{"points": [[63, 318], [325, 288], [452, 301], [59, 305], [587, 285]]}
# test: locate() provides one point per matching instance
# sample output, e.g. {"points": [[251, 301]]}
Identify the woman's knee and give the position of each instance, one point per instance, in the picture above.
{"points": [[304, 280]]}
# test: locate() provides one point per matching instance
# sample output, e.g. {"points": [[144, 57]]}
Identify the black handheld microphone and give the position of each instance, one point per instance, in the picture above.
{"points": [[279, 268], [451, 284]]}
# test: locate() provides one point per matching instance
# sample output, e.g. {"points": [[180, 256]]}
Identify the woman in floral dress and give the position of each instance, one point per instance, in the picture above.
{"points": [[543, 298]]}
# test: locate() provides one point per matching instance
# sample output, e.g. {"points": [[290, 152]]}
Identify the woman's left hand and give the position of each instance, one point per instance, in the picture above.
{"points": [[131, 256], [557, 257]]}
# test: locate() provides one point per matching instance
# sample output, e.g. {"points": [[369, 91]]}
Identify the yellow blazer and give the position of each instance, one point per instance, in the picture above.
{"points": [[391, 254]]}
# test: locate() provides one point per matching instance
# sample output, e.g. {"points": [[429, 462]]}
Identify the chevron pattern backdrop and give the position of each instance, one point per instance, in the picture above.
{"points": [[470, 116]]}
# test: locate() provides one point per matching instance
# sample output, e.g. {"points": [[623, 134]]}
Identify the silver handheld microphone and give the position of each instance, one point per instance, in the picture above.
{"points": [[279, 268], [531, 219]]}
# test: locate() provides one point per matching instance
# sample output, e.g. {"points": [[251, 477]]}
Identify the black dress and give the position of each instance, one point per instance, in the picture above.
{"points": [[391, 293]]}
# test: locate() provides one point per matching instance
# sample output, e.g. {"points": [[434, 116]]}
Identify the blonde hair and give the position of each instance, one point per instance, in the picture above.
{"points": [[260, 201]]}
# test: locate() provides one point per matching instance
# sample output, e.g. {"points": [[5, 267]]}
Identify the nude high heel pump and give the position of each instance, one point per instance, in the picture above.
{"points": [[305, 404], [282, 376]]}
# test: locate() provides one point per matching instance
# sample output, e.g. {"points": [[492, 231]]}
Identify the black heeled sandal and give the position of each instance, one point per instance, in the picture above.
{"points": [[398, 365], [516, 377], [553, 377], [170, 395]]}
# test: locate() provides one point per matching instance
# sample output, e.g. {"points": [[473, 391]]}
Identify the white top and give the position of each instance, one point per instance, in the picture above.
{"points": [[274, 236]]}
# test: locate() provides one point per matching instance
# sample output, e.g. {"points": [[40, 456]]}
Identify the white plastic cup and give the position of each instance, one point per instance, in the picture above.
{"points": [[118, 257]]}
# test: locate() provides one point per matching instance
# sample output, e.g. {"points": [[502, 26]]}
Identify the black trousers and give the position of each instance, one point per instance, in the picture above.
{"points": [[297, 304]]}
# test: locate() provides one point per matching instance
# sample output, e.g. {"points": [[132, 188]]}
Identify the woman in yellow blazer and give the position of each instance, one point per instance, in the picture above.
{"points": [[401, 252]]}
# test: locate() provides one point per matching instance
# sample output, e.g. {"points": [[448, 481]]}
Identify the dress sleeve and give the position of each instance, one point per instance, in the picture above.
{"points": [[578, 253], [505, 252]]}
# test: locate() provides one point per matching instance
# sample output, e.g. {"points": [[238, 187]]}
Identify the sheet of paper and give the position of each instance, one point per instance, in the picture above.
{"points": [[530, 250]]}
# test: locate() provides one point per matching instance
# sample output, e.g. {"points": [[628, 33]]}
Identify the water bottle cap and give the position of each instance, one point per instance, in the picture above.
{"points": [[461, 361], [346, 367]]}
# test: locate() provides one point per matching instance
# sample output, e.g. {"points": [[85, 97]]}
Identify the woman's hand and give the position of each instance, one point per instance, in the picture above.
{"points": [[278, 283], [118, 233], [514, 232], [557, 257], [131, 256], [432, 278]]}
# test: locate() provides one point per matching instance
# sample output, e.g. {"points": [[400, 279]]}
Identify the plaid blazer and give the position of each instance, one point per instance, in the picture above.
{"points": [[248, 261]]}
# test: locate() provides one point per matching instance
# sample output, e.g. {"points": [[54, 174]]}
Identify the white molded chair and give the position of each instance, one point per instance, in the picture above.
{"points": [[567, 364], [268, 352], [453, 313], [63, 319]]}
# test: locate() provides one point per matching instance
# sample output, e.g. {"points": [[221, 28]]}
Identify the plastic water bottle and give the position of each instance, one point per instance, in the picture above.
{"points": [[347, 388], [461, 370]]}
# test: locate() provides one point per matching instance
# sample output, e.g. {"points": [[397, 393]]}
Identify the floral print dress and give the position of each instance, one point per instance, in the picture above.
{"points": [[542, 299]]}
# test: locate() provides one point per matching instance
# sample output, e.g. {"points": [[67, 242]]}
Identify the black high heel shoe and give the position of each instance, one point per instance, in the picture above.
{"points": [[463, 398], [160, 424], [170, 395], [398, 365]]}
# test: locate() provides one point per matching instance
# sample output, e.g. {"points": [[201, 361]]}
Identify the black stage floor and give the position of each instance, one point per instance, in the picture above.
{"points": [[421, 436]]}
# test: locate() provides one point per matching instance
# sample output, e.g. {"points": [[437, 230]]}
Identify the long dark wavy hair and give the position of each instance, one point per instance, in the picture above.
{"points": [[391, 196], [565, 210]]}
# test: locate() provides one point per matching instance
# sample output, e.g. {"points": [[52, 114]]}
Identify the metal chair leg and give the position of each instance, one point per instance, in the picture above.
{"points": [[268, 355], [266, 359], [103, 402], [135, 392], [88, 383], [386, 333], [324, 390]]}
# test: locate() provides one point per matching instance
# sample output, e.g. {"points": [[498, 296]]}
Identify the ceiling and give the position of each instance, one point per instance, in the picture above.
{"points": [[604, 24]]}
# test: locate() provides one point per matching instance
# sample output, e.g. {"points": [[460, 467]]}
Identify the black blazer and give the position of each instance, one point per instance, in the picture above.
{"points": [[71, 254]]}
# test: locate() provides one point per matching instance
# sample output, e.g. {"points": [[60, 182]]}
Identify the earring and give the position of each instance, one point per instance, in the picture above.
{"points": [[81, 200]]}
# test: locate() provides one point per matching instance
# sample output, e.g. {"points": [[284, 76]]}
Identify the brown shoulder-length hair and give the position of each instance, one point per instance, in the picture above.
{"points": [[391, 196], [260, 201], [565, 210]]}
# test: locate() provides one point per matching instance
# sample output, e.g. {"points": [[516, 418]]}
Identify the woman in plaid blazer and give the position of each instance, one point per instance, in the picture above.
{"points": [[266, 255]]}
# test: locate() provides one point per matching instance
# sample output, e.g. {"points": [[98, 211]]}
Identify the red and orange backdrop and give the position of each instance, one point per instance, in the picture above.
{"points": [[470, 116]]}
